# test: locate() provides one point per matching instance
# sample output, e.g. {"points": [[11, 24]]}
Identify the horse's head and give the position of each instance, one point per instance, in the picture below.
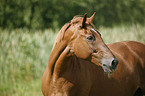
{"points": [[86, 43]]}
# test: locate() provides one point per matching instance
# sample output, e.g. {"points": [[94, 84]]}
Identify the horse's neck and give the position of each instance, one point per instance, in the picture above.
{"points": [[57, 57]]}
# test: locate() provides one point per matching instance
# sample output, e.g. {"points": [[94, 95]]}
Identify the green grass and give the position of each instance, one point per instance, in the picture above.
{"points": [[133, 32], [23, 58], [24, 55]]}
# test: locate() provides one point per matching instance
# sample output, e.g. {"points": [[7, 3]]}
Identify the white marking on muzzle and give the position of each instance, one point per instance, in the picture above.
{"points": [[107, 64], [107, 61]]}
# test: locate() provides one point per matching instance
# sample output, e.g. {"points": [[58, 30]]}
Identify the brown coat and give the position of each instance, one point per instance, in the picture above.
{"points": [[81, 64]]}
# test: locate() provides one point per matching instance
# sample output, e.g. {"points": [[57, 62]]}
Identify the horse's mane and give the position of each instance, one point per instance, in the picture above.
{"points": [[76, 19], [62, 31]]}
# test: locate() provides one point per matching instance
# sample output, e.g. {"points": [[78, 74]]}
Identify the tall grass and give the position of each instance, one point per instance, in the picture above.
{"points": [[24, 55], [133, 32]]}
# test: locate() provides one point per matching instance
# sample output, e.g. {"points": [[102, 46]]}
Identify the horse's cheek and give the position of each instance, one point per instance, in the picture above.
{"points": [[81, 50]]}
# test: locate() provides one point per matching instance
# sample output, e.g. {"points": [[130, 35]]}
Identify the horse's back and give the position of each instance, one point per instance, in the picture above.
{"points": [[133, 54], [127, 48]]}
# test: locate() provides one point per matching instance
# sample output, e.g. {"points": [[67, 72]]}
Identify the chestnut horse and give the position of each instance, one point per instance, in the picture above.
{"points": [[81, 64]]}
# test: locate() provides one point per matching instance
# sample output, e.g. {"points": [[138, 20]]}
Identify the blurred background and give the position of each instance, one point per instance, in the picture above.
{"points": [[28, 29], [42, 14]]}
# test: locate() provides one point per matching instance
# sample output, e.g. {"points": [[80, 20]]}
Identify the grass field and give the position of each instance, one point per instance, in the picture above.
{"points": [[24, 55]]}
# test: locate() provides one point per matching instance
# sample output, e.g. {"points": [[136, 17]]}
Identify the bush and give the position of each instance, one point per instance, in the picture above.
{"points": [[42, 14]]}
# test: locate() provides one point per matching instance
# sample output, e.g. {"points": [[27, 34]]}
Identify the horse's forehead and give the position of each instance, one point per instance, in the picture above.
{"points": [[87, 30]]}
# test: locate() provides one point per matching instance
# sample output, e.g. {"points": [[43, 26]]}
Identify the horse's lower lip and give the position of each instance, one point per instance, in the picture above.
{"points": [[108, 69]]}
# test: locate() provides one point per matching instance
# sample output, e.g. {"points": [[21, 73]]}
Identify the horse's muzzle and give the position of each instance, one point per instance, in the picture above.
{"points": [[110, 65], [115, 63]]}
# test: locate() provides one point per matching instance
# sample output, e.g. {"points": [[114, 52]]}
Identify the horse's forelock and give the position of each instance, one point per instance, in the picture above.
{"points": [[76, 19]]}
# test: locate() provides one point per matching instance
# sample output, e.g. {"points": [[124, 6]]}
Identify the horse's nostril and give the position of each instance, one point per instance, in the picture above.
{"points": [[95, 51], [114, 63]]}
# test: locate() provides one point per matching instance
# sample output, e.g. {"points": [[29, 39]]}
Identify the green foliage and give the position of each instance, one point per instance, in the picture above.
{"points": [[24, 55], [42, 14]]}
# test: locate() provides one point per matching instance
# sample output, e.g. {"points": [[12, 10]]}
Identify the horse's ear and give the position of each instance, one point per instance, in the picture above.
{"points": [[91, 18], [84, 20]]}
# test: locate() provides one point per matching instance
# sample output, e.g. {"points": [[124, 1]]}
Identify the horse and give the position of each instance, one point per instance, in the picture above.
{"points": [[81, 64]]}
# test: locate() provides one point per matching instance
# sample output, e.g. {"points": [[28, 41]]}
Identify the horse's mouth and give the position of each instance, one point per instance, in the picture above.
{"points": [[108, 69], [109, 65]]}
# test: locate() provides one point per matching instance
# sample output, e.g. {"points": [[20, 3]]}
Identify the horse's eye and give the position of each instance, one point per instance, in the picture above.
{"points": [[91, 38]]}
